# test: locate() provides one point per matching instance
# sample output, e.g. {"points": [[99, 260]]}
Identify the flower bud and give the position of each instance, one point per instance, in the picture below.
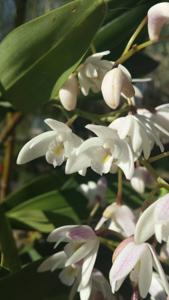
{"points": [[158, 16], [116, 82], [68, 93]]}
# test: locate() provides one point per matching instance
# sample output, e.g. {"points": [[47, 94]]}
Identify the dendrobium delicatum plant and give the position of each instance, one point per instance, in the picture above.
{"points": [[119, 144]]}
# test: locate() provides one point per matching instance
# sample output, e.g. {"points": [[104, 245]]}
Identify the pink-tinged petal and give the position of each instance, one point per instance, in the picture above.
{"points": [[158, 16], [88, 265], [57, 126], [125, 218], [81, 253], [125, 262], [36, 147], [145, 274], [82, 233], [159, 269], [145, 225], [60, 233], [162, 209], [56, 261]]}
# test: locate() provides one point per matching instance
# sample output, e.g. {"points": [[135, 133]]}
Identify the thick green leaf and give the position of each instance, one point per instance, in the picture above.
{"points": [[36, 54], [50, 210]]}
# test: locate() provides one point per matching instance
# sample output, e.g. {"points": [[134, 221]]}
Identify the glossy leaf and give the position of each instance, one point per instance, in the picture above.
{"points": [[50, 210]]}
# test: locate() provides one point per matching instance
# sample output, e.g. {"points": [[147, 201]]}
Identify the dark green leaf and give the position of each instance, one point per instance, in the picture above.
{"points": [[29, 284]]}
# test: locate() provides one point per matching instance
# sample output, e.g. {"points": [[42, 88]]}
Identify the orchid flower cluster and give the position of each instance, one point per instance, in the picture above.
{"points": [[124, 144]]}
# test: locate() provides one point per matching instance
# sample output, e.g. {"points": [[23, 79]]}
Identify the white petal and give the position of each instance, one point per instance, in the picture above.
{"points": [[36, 147], [56, 261], [88, 265], [145, 225], [57, 126], [98, 55], [158, 15], [85, 292], [118, 125], [81, 253], [145, 274], [60, 232], [125, 218], [76, 163], [124, 263], [88, 144], [101, 131], [160, 270], [126, 160]]}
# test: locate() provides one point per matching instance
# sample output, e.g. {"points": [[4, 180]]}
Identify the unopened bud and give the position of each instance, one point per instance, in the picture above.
{"points": [[158, 16], [115, 83], [68, 93]]}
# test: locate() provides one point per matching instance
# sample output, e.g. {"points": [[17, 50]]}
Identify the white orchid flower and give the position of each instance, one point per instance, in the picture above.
{"points": [[98, 288], [103, 153], [92, 71], [158, 120], [155, 219], [137, 260], [95, 192], [56, 145], [140, 133], [121, 219], [141, 178], [68, 93], [158, 16], [115, 83], [156, 290], [80, 252]]}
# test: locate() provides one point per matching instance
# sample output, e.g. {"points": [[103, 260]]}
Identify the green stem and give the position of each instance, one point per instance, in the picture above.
{"points": [[159, 156], [10, 258], [133, 50], [120, 187], [134, 36]]}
